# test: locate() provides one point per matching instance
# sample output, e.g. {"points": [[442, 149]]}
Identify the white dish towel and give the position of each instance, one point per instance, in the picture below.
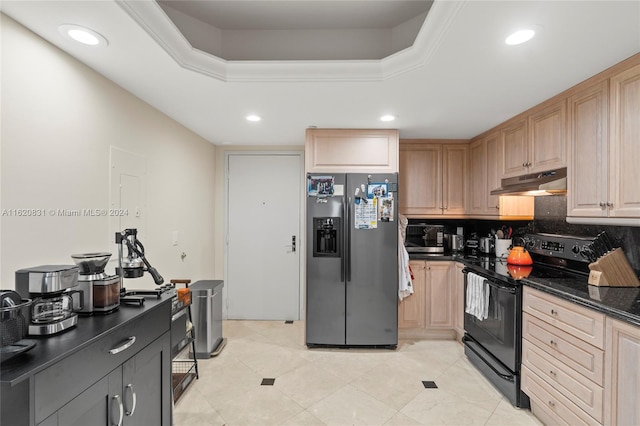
{"points": [[477, 300]]}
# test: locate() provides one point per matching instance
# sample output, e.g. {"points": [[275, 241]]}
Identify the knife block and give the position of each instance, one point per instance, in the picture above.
{"points": [[613, 270]]}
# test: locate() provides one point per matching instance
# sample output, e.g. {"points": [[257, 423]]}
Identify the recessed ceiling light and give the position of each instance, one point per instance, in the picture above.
{"points": [[388, 117], [520, 37], [253, 117], [82, 35]]}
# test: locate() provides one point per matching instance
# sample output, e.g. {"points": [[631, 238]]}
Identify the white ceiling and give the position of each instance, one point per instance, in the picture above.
{"points": [[457, 80], [298, 30]]}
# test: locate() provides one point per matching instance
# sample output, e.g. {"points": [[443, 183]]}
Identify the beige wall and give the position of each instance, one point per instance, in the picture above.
{"points": [[59, 122]]}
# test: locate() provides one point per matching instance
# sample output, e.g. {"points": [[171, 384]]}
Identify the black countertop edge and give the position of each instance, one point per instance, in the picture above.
{"points": [[437, 257], [52, 349]]}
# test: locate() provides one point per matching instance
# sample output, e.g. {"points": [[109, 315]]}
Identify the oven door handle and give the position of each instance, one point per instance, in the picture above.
{"points": [[507, 377], [493, 283]]}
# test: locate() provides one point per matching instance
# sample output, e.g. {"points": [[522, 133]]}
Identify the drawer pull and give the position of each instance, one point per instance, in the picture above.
{"points": [[552, 404], [554, 312], [130, 341], [129, 388], [553, 343], [553, 373], [116, 400]]}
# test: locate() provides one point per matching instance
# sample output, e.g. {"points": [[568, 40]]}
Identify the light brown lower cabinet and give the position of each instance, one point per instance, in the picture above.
{"points": [[579, 367], [622, 377], [458, 283], [431, 306], [562, 360], [411, 309]]}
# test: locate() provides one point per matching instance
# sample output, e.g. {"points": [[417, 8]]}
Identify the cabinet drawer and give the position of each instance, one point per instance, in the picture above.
{"points": [[580, 390], [577, 354], [556, 409], [579, 321], [60, 383]]}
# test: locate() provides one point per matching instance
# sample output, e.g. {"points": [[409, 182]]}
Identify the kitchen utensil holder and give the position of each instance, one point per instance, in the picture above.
{"points": [[613, 270]]}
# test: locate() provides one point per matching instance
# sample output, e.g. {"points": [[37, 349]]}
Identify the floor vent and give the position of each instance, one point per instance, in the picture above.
{"points": [[268, 382], [288, 322], [429, 384]]}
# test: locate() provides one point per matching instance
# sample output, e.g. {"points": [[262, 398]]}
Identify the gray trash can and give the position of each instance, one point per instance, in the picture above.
{"points": [[206, 303]]}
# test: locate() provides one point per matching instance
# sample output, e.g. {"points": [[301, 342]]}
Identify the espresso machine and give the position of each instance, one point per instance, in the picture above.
{"points": [[100, 292], [51, 288]]}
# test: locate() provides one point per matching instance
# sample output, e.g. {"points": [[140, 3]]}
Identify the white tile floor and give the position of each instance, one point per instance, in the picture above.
{"points": [[338, 386]]}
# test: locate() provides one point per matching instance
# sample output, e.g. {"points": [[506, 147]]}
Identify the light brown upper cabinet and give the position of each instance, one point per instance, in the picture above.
{"points": [[624, 144], [478, 187], [536, 142], [604, 135], [433, 178], [485, 169], [588, 177], [351, 150]]}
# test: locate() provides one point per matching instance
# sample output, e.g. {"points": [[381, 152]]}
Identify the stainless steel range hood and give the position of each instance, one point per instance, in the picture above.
{"points": [[544, 183]]}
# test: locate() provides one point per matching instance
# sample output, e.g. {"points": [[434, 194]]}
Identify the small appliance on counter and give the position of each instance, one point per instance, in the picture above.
{"points": [[133, 264], [14, 311], [424, 238], [100, 292], [454, 242], [486, 245], [472, 246], [52, 288]]}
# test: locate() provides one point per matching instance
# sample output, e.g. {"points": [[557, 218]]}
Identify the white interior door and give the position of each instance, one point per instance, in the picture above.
{"points": [[263, 270]]}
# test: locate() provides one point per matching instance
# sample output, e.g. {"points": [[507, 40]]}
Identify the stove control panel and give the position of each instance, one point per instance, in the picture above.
{"points": [[560, 246]]}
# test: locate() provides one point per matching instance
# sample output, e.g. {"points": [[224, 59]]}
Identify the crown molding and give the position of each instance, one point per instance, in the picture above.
{"points": [[150, 16]]}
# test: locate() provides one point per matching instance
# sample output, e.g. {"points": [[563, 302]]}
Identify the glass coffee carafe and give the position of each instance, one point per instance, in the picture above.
{"points": [[53, 308]]}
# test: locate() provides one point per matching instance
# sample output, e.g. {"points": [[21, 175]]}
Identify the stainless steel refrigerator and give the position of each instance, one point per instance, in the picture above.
{"points": [[352, 260]]}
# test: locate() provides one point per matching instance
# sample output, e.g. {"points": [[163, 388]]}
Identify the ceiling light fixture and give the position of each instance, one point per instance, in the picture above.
{"points": [[82, 35], [520, 37], [254, 118], [388, 117]]}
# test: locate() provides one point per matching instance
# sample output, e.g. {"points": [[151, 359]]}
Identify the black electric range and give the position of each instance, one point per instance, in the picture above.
{"points": [[493, 304]]}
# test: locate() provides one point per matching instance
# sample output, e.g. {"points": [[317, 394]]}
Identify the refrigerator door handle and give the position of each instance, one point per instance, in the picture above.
{"points": [[342, 242], [348, 250]]}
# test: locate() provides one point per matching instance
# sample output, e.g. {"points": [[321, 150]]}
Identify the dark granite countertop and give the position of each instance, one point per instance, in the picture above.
{"points": [[51, 349], [622, 303]]}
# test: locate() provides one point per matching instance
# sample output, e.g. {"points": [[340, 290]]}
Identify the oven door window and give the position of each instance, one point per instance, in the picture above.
{"points": [[497, 332]]}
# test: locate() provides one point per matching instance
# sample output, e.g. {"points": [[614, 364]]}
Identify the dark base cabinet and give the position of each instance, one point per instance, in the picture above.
{"points": [[120, 377], [129, 395]]}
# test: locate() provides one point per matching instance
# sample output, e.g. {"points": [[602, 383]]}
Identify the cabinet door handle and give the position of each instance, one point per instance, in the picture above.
{"points": [[130, 341], [129, 388], [116, 400], [601, 204], [609, 204]]}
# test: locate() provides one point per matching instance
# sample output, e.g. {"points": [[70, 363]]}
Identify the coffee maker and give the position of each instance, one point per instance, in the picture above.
{"points": [[51, 287], [100, 292]]}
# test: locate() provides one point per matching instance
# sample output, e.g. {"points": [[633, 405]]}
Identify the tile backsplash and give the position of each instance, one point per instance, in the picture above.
{"points": [[550, 216]]}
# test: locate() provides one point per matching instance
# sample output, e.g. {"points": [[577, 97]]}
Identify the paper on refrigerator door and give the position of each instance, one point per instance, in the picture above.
{"points": [[366, 214]]}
